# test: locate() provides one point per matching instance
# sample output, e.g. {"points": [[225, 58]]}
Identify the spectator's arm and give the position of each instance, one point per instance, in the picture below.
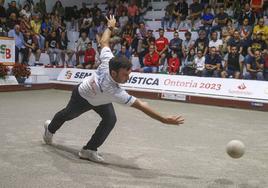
{"points": [[250, 52], [249, 69]]}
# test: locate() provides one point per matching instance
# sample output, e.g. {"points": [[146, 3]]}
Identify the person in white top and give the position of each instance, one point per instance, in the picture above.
{"points": [[97, 93], [199, 62], [215, 42]]}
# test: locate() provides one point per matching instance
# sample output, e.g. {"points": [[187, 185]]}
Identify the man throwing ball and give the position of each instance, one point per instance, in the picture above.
{"points": [[97, 93]]}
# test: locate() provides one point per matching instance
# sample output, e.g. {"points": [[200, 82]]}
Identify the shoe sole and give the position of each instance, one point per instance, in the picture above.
{"points": [[88, 159]]}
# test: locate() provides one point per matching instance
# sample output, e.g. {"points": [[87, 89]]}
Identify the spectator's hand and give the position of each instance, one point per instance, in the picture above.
{"points": [[111, 21], [174, 120]]}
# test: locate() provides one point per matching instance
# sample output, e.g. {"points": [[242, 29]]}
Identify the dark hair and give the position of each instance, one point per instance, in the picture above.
{"points": [[119, 62], [188, 33]]}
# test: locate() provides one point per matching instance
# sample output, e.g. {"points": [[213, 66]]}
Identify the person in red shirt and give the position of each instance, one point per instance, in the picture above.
{"points": [[151, 61], [162, 47], [89, 59], [173, 64]]}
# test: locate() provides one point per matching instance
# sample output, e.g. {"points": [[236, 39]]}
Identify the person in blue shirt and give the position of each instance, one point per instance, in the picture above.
{"points": [[124, 52], [19, 44], [255, 66]]}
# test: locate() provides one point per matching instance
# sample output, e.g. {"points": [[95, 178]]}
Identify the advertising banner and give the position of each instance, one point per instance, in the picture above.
{"points": [[7, 50]]}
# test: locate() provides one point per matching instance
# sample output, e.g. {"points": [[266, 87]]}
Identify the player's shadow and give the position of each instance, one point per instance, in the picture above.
{"points": [[115, 162]]}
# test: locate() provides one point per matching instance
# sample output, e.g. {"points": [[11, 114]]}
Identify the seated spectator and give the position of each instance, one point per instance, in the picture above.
{"points": [[52, 48], [199, 62], [123, 20], [19, 44], [162, 48], [81, 46], [121, 10], [58, 9], [3, 14], [233, 64], [124, 52], [12, 9], [188, 67], [133, 12], [247, 13], [12, 21], [215, 42], [265, 57], [89, 59], [212, 64], [63, 45], [32, 47], [207, 19], [173, 64], [175, 45], [170, 15], [25, 25], [187, 44], [256, 44], [261, 28], [149, 38], [202, 42], [195, 11], [225, 36], [235, 41], [245, 31], [220, 20], [151, 61], [36, 28], [182, 8], [26, 11], [255, 67]]}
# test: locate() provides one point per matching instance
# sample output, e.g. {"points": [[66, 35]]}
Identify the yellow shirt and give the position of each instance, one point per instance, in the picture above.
{"points": [[36, 27], [263, 30]]}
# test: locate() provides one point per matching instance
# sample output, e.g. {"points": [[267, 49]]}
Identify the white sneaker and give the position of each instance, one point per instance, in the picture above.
{"points": [[90, 155], [47, 136]]}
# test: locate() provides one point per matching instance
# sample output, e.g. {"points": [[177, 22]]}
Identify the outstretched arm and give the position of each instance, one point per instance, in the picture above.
{"points": [[106, 36], [144, 107]]}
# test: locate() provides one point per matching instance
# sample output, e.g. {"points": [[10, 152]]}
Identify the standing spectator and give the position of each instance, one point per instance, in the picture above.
{"points": [[199, 62], [19, 44], [173, 64], [52, 48], [195, 11], [261, 28], [187, 44], [188, 67], [247, 13], [255, 66], [233, 64], [202, 42], [175, 45], [81, 46], [151, 61], [212, 64], [162, 47], [31, 48]]}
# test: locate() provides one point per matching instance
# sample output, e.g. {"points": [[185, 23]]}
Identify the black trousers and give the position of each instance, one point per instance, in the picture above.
{"points": [[77, 106]]}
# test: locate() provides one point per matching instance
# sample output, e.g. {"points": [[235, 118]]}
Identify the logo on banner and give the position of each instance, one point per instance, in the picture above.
{"points": [[5, 51], [68, 75], [241, 90], [242, 86], [143, 80]]}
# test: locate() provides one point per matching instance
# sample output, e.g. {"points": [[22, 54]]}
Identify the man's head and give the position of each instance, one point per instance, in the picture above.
{"points": [[233, 49], [257, 54], [123, 49], [202, 34], [214, 35], [176, 34], [236, 34], [261, 22], [120, 68], [212, 51], [17, 29], [161, 32], [188, 35]]}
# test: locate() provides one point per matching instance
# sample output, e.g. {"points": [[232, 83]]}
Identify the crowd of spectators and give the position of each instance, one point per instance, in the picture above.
{"points": [[232, 36]]}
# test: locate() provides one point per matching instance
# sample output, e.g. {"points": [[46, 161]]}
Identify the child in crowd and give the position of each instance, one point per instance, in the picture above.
{"points": [[173, 64]]}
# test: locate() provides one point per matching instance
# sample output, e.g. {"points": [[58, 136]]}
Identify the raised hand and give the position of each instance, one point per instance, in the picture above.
{"points": [[111, 21]]}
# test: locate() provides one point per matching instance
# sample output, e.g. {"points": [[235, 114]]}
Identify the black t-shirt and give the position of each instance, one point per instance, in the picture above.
{"points": [[257, 45], [221, 17], [201, 44], [182, 8], [29, 40], [233, 42], [2, 12], [63, 44], [52, 42], [196, 7]]}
